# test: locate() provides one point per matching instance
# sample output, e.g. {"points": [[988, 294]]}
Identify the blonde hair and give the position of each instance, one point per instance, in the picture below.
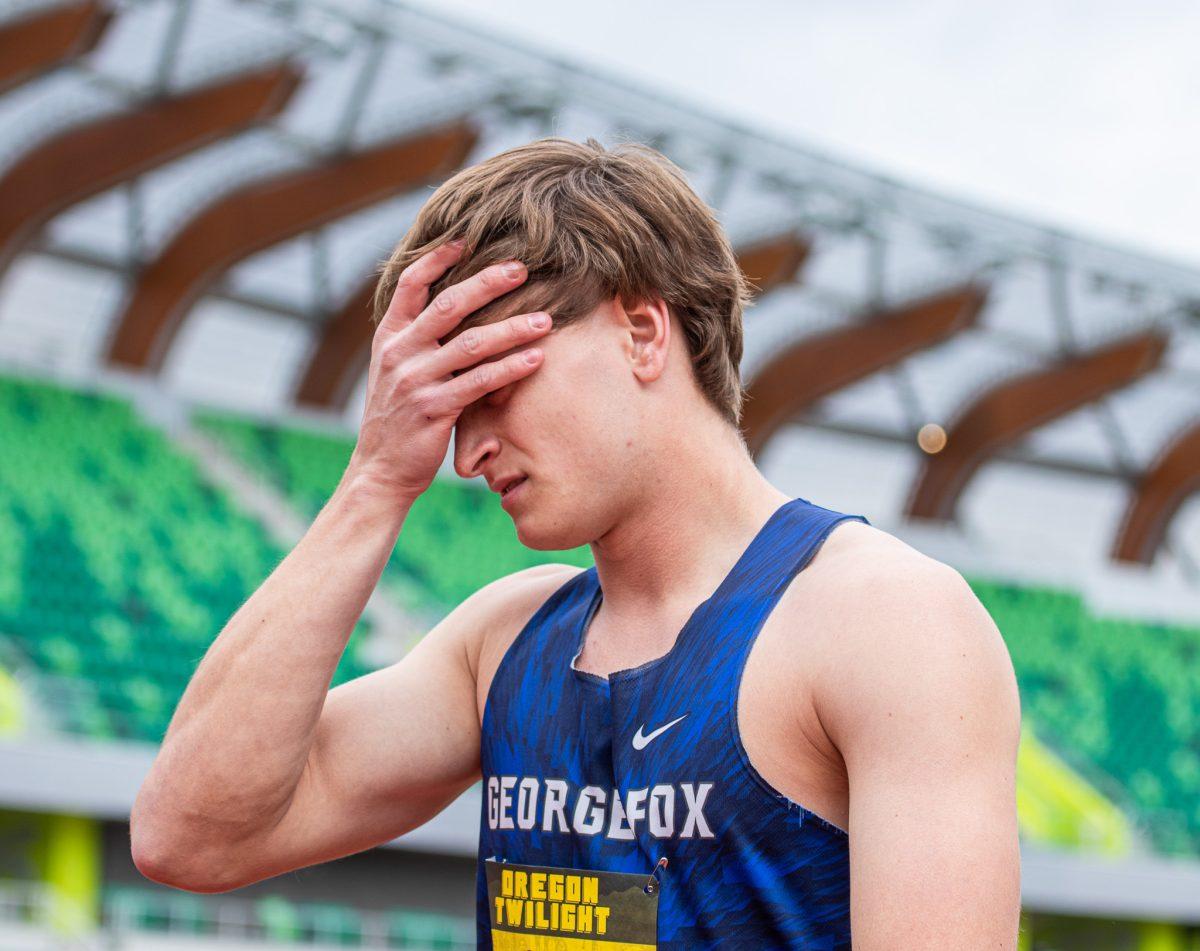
{"points": [[591, 224]]}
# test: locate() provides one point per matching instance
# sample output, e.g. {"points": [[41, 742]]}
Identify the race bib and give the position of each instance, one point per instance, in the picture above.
{"points": [[542, 908]]}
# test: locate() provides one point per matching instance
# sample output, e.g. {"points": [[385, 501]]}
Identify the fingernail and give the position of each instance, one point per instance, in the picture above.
{"points": [[538, 321], [458, 243], [512, 269]]}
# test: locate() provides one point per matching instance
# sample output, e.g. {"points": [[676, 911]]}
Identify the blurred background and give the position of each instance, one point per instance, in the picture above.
{"points": [[979, 325]]}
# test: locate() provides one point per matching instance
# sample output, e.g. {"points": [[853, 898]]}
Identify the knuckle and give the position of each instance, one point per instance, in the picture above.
{"points": [[445, 301], [422, 403], [402, 379], [390, 356], [408, 278], [470, 341], [485, 374]]}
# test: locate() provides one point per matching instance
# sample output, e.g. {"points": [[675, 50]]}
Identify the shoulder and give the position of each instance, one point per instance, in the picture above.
{"points": [[496, 613], [870, 580], [907, 646], [858, 565]]}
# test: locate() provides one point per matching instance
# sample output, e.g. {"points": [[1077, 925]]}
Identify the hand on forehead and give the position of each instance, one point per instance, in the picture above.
{"points": [[523, 299]]}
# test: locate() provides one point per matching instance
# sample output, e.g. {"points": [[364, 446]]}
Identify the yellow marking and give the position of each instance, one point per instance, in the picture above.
{"points": [[507, 941]]}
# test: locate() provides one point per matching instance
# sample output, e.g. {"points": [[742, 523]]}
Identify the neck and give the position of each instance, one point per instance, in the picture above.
{"points": [[681, 533]]}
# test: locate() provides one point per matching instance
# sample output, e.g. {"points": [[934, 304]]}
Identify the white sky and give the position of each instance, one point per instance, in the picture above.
{"points": [[1082, 114]]}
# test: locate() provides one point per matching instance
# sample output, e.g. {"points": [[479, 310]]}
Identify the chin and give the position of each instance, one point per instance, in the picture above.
{"points": [[529, 535], [540, 531]]}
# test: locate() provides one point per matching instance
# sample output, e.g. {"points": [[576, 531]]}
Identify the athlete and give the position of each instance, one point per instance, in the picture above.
{"points": [[789, 725]]}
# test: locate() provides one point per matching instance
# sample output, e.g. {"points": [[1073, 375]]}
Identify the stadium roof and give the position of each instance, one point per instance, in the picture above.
{"points": [[202, 189]]}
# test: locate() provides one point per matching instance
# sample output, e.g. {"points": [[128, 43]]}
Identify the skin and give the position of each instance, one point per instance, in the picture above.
{"points": [[879, 693]]}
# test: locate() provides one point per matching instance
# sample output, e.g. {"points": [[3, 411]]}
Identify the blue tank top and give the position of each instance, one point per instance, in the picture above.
{"points": [[583, 772]]}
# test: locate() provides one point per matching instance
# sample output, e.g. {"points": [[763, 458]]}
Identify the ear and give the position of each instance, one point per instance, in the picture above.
{"points": [[648, 323]]}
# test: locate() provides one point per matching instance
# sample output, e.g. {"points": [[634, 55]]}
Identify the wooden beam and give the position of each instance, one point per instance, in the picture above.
{"points": [[34, 44], [774, 262], [341, 354], [86, 160], [1002, 415], [1160, 493], [818, 365], [262, 214]]}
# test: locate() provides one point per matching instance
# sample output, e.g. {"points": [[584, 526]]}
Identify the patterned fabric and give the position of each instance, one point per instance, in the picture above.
{"points": [[585, 772]]}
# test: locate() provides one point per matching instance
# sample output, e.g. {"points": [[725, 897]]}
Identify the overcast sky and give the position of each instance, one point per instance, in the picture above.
{"points": [[1083, 114]]}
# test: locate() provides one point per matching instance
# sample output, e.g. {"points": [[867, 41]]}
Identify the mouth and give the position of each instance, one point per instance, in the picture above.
{"points": [[511, 491]]}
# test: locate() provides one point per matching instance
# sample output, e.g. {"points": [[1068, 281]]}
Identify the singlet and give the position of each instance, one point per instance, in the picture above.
{"points": [[585, 772]]}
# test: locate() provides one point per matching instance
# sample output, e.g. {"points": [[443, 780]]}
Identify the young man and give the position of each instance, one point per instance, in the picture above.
{"points": [[815, 725]]}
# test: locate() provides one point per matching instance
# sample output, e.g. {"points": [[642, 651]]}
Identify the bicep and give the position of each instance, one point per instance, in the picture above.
{"points": [[928, 723], [392, 749]]}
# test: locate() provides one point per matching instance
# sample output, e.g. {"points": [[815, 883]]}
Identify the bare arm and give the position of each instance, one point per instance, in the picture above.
{"points": [[263, 768], [391, 749], [927, 718], [241, 740]]}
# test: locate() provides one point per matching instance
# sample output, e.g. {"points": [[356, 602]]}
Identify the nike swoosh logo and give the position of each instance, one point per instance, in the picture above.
{"points": [[641, 741]]}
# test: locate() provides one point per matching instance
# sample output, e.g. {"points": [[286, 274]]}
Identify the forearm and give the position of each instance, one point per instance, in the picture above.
{"points": [[237, 744]]}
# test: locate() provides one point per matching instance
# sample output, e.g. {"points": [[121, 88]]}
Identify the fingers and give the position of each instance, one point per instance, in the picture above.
{"points": [[425, 323], [483, 379], [477, 343], [412, 287], [447, 310]]}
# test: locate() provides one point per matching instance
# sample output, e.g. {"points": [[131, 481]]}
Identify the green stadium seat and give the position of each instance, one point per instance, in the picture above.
{"points": [[124, 564], [279, 919], [455, 540], [1114, 697], [335, 924], [416, 929]]}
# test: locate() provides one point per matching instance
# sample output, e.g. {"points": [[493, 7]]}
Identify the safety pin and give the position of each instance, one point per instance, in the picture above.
{"points": [[652, 883]]}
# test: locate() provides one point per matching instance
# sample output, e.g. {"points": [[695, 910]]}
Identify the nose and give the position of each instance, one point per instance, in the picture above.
{"points": [[474, 444]]}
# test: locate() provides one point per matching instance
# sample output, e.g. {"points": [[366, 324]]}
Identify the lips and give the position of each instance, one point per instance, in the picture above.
{"points": [[511, 485]]}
